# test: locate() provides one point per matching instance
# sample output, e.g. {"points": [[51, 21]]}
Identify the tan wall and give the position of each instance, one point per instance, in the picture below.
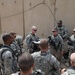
{"points": [[66, 12], [36, 12]]}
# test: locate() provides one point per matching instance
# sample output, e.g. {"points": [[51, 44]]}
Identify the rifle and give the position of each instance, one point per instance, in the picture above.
{"points": [[52, 43]]}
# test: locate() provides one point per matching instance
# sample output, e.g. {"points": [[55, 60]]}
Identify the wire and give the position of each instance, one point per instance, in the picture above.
{"points": [[11, 15], [31, 9]]}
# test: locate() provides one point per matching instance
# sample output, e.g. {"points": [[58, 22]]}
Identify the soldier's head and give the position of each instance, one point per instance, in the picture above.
{"points": [[19, 40], [7, 38], [60, 23], [72, 59], [43, 44], [34, 29], [74, 31], [54, 31], [13, 34], [26, 63]]}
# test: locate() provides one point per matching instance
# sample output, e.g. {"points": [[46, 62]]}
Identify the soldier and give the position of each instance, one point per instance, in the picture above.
{"points": [[62, 30], [64, 34], [19, 40], [26, 64], [45, 61], [7, 56], [71, 43], [15, 46], [71, 69], [56, 44], [30, 38]]}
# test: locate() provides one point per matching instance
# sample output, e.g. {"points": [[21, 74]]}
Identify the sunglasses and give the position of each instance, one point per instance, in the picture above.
{"points": [[35, 30]]}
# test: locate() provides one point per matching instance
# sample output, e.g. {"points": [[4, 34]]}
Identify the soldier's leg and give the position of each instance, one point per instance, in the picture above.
{"points": [[55, 53]]}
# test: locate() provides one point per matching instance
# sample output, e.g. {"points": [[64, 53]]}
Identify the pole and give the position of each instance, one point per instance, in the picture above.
{"points": [[23, 19], [54, 11], [0, 26]]}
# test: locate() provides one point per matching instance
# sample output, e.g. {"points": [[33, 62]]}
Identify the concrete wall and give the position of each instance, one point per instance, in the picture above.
{"points": [[66, 12], [42, 13]]}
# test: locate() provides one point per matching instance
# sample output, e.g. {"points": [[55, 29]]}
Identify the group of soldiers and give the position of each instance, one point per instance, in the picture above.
{"points": [[50, 49], [59, 33], [9, 53], [60, 44], [59, 41]]}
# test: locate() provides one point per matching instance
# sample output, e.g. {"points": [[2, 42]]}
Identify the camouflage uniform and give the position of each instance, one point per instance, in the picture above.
{"points": [[64, 34], [19, 41], [62, 31], [29, 41], [73, 40], [71, 44], [56, 45], [49, 64], [16, 49], [8, 62], [38, 72], [70, 71]]}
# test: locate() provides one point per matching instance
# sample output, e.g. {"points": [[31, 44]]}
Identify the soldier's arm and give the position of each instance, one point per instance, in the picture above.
{"points": [[56, 65], [7, 58], [13, 47], [61, 40], [28, 41], [65, 32]]}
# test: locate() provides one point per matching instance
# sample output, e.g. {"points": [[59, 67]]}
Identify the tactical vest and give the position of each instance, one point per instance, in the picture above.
{"points": [[14, 63], [44, 65], [6, 48]]}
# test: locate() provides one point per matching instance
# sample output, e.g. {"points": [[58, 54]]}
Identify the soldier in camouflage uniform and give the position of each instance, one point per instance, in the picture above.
{"points": [[15, 46], [71, 43], [7, 57], [45, 61], [64, 34], [19, 40], [71, 69], [56, 44], [30, 38], [26, 64]]}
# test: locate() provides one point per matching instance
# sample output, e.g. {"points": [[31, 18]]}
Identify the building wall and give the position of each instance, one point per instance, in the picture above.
{"points": [[42, 13], [66, 12]]}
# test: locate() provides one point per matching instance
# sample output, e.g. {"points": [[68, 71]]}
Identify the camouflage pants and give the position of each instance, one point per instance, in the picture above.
{"points": [[57, 53]]}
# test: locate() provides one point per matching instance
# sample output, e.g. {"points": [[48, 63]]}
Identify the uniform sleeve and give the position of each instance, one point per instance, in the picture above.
{"points": [[61, 40], [13, 47], [28, 41], [65, 32], [16, 48], [56, 65], [7, 58]]}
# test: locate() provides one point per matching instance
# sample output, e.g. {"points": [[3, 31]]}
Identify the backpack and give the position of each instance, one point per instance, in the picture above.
{"points": [[14, 63], [44, 65], [17, 50], [6, 48]]}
